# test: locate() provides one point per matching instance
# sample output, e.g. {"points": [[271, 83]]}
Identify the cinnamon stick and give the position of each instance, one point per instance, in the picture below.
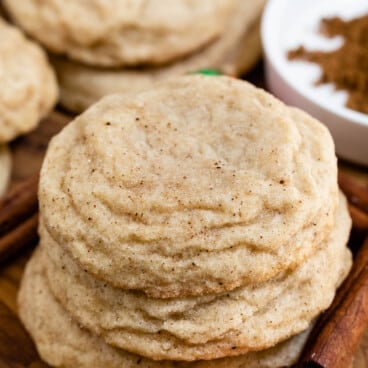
{"points": [[22, 236], [360, 218], [18, 203], [356, 193], [339, 330], [18, 218]]}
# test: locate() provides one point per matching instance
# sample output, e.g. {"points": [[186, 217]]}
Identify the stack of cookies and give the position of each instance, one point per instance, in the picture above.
{"points": [[114, 46], [28, 91], [197, 224]]}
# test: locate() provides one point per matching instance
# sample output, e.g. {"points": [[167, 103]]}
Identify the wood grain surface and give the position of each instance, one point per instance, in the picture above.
{"points": [[16, 348]]}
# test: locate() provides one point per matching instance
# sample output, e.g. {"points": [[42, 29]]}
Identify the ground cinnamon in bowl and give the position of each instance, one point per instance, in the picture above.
{"points": [[346, 67]]}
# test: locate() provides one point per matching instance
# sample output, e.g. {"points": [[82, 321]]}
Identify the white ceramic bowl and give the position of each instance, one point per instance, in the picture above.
{"points": [[287, 24]]}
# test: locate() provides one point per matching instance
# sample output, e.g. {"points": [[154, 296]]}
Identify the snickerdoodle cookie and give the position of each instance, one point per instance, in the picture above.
{"points": [[122, 32], [62, 343], [234, 52], [250, 318], [199, 186], [28, 84]]}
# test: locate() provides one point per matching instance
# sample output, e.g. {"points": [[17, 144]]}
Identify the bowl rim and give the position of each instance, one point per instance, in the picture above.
{"points": [[274, 56]]}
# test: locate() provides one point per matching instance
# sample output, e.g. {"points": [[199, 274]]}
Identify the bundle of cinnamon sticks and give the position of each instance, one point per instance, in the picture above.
{"points": [[357, 195], [338, 331], [19, 218]]}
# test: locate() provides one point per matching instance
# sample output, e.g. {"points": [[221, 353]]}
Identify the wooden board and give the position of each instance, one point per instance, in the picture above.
{"points": [[28, 153]]}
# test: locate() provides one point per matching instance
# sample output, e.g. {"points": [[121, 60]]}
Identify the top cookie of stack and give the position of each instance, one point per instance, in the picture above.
{"points": [[175, 201], [125, 46]]}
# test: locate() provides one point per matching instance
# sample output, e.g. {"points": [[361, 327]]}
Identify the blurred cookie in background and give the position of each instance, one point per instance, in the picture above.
{"points": [[28, 90], [234, 53], [87, 73], [122, 32], [28, 84]]}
